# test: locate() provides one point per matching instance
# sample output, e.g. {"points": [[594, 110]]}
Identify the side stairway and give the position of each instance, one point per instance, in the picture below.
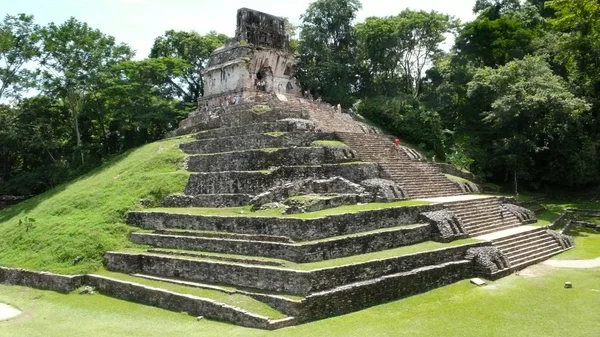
{"points": [[419, 178], [529, 247], [482, 215]]}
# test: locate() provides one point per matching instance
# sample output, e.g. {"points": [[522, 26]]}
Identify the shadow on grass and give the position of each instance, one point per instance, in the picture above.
{"points": [[582, 232]]}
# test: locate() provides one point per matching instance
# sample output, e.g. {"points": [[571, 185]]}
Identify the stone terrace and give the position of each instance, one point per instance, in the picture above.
{"points": [[295, 212], [314, 265]]}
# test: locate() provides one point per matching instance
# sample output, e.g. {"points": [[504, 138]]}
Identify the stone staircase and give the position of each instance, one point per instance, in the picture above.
{"points": [[295, 268], [528, 248], [483, 215], [419, 178]]}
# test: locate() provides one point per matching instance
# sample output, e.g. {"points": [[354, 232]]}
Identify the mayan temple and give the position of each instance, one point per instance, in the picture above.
{"points": [[306, 210]]}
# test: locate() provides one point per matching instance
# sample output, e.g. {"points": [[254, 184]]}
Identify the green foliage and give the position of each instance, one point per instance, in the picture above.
{"points": [[19, 45], [193, 48], [532, 115], [327, 50], [86, 217], [501, 33], [395, 51], [409, 119], [260, 109], [27, 223]]}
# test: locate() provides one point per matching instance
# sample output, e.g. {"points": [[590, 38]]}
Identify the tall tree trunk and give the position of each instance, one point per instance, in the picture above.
{"points": [[78, 134], [516, 185]]}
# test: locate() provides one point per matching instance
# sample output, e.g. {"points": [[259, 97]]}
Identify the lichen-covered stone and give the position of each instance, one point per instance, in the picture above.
{"points": [[446, 225], [384, 190], [467, 186], [523, 214], [256, 160], [488, 260], [563, 240], [335, 185]]}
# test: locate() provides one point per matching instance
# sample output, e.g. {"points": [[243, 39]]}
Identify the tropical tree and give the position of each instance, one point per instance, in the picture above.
{"points": [[193, 48], [395, 51], [19, 45], [74, 59], [531, 116], [327, 50]]}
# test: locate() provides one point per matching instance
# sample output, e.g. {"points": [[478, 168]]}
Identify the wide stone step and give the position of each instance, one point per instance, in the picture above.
{"points": [[256, 160], [479, 202], [279, 126], [296, 252], [207, 200], [514, 240], [496, 227], [238, 116], [480, 217], [534, 254], [223, 235], [484, 224], [256, 182], [465, 209], [300, 281], [528, 260], [531, 246], [255, 141], [298, 228]]}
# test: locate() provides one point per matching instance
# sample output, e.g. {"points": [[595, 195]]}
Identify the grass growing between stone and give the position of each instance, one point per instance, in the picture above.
{"points": [[86, 217], [354, 259], [531, 304], [277, 212], [237, 300], [329, 143]]}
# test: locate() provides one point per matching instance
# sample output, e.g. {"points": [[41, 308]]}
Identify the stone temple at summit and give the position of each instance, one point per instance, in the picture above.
{"points": [[307, 212]]}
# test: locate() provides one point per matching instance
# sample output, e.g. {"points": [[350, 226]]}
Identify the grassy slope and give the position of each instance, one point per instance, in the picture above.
{"points": [[533, 304], [86, 217]]}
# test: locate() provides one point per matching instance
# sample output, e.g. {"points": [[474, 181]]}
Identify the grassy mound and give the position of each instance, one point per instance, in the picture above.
{"points": [[77, 222]]}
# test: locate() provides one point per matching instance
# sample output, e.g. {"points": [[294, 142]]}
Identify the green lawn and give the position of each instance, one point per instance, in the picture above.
{"points": [[247, 211], [587, 243], [533, 303], [86, 217]]}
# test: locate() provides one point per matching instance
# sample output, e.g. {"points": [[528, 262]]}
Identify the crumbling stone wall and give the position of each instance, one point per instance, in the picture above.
{"points": [[40, 280], [257, 160], [296, 229], [523, 214], [487, 260], [283, 280], [257, 141], [299, 253], [447, 226], [563, 240], [257, 182], [261, 29]]}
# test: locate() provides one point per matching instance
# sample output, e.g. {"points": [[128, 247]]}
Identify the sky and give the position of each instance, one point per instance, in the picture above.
{"points": [[139, 22]]}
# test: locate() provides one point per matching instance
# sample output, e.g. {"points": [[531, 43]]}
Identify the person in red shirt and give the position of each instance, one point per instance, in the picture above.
{"points": [[397, 142]]}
